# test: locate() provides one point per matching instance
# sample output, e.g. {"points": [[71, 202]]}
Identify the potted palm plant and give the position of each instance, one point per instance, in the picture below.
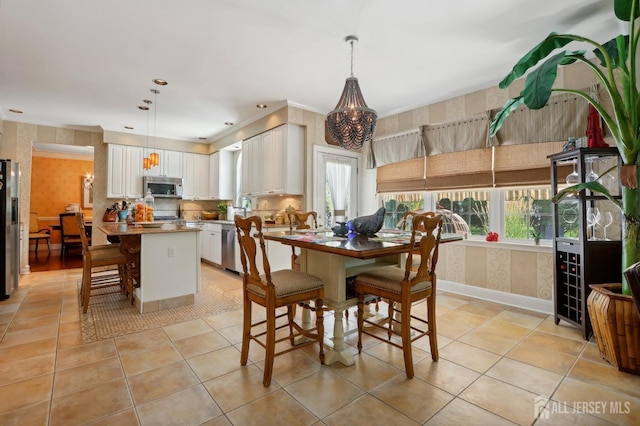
{"points": [[616, 71]]}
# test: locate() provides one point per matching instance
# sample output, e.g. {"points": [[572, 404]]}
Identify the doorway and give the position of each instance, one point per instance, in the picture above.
{"points": [[335, 185]]}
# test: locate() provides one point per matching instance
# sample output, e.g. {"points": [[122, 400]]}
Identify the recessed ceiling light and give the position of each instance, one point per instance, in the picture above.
{"points": [[202, 138], [228, 123], [261, 106], [128, 127], [160, 82], [143, 107], [16, 111]]}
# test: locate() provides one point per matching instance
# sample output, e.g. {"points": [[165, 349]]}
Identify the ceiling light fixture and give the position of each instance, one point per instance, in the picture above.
{"points": [[146, 163], [160, 82], [352, 122], [261, 106], [228, 123], [128, 127], [16, 111], [154, 158]]}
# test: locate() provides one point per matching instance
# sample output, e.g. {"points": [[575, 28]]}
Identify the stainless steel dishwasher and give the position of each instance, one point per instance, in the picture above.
{"points": [[229, 247]]}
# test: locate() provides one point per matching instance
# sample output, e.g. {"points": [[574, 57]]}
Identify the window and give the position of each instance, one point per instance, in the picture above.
{"points": [[471, 206], [514, 213]]}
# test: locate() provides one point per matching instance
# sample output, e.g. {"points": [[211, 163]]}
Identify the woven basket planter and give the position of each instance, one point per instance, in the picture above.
{"points": [[616, 326]]}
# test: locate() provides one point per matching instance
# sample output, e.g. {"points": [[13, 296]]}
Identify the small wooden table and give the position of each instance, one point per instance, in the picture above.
{"points": [[335, 259]]}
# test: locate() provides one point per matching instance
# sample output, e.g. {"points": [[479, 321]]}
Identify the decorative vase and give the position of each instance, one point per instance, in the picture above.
{"points": [[616, 326]]}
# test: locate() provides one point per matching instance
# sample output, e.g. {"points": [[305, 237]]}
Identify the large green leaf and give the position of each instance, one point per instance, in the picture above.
{"points": [[612, 50], [622, 9], [594, 186], [508, 107], [538, 85], [552, 42]]}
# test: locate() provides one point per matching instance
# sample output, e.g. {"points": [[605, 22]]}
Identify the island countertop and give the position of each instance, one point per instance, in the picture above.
{"points": [[112, 229]]}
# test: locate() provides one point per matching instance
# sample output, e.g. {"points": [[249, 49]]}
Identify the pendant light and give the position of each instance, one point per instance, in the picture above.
{"points": [[352, 123], [154, 158], [146, 162]]}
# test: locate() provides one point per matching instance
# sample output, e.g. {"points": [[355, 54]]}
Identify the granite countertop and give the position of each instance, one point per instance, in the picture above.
{"points": [[125, 229], [230, 222]]}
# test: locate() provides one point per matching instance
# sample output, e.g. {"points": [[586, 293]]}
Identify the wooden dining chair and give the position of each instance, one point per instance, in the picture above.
{"points": [[298, 221], [274, 290], [36, 233], [402, 288], [96, 258], [69, 234]]}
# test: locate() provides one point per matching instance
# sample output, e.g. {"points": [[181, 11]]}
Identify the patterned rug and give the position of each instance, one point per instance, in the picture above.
{"points": [[111, 315]]}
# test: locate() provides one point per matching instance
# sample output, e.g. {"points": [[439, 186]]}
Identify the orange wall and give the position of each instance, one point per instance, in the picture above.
{"points": [[55, 182]]}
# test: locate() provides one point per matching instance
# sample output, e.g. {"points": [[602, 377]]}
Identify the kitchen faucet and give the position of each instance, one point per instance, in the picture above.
{"points": [[244, 210]]}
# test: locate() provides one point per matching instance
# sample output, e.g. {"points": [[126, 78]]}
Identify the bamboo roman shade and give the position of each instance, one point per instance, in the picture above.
{"points": [[456, 170], [525, 164], [404, 176]]}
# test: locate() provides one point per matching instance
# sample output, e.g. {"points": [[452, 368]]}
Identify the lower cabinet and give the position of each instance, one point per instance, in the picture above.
{"points": [[279, 255], [212, 243]]}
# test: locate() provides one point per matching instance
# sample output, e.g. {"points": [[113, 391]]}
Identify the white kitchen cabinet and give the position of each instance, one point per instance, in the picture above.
{"points": [[274, 162], [252, 166], [124, 171], [170, 163], [211, 238], [221, 175], [195, 176]]}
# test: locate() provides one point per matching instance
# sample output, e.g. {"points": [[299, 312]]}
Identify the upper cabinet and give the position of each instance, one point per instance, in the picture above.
{"points": [[124, 171], [273, 162], [170, 163], [195, 176], [221, 175]]}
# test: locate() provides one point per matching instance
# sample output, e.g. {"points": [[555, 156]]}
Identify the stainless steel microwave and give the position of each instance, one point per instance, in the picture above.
{"points": [[162, 187]]}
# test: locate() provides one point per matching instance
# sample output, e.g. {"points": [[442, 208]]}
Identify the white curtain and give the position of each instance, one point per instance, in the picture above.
{"points": [[339, 181]]}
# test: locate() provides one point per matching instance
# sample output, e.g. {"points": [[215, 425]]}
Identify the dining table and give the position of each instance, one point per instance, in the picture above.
{"points": [[337, 260]]}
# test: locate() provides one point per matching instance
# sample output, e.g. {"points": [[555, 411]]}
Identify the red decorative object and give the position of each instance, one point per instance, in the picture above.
{"points": [[594, 129], [492, 236]]}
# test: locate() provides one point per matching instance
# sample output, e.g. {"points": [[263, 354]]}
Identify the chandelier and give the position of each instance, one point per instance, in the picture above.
{"points": [[352, 123]]}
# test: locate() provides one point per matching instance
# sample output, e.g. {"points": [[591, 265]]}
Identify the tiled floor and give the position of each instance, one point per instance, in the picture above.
{"points": [[497, 366]]}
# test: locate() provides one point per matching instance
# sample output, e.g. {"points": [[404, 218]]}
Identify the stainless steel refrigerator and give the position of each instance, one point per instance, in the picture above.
{"points": [[9, 227]]}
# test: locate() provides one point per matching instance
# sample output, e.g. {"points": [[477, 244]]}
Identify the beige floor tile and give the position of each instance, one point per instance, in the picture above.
{"points": [[402, 393], [469, 356], [460, 412], [161, 382], [138, 362], [395, 356], [69, 339], [489, 341], [446, 375], [90, 404], [16, 371], [616, 407], [27, 392], [324, 392], [537, 356], [563, 329], [216, 363], [367, 372], [12, 338], [87, 376], [502, 399], [452, 329], [142, 341], [525, 376], [36, 414], [526, 319], [463, 318], [26, 350], [187, 329], [262, 412], [451, 300], [200, 344], [127, 417], [555, 343], [239, 387], [232, 333], [606, 376], [592, 353], [191, 406], [293, 366], [218, 421], [484, 308], [85, 354], [368, 410]]}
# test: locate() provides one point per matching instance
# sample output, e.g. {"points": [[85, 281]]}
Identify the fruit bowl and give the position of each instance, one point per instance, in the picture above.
{"points": [[209, 215]]}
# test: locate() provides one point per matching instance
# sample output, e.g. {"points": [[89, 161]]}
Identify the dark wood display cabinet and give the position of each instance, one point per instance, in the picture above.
{"points": [[587, 232]]}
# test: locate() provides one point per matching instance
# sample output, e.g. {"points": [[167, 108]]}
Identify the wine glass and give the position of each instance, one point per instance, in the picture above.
{"points": [[607, 220], [572, 178], [591, 175], [593, 216]]}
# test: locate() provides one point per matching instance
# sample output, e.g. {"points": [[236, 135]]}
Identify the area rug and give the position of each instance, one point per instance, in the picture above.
{"points": [[112, 315]]}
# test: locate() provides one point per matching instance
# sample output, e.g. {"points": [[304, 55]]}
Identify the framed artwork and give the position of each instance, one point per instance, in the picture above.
{"points": [[86, 187]]}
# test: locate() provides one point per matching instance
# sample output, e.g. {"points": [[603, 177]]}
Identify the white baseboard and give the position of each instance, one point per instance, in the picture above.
{"points": [[515, 300]]}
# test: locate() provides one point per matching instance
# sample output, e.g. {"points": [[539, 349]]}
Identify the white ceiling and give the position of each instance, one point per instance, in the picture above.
{"points": [[88, 64]]}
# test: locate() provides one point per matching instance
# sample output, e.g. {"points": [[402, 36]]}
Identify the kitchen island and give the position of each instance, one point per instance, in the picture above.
{"points": [[164, 262]]}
